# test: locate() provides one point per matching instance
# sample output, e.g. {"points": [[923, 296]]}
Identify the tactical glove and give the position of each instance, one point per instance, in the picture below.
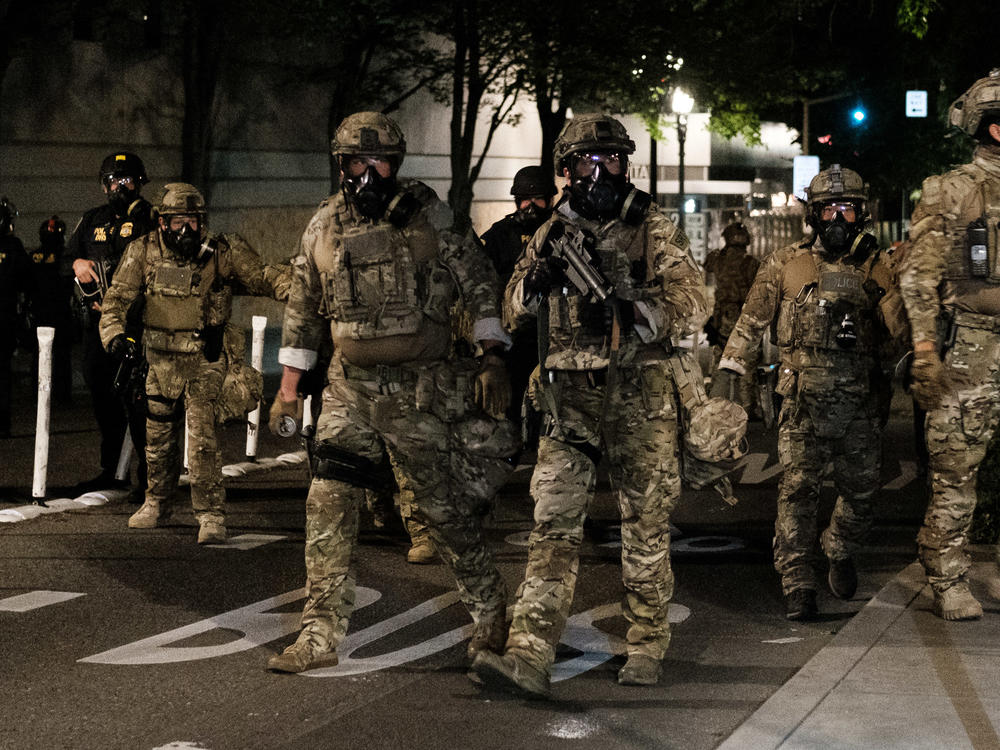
{"points": [[544, 274], [122, 347], [929, 383], [493, 386], [723, 384], [285, 416]]}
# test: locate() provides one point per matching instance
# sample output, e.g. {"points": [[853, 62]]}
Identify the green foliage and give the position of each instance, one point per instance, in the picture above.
{"points": [[736, 120], [914, 16]]}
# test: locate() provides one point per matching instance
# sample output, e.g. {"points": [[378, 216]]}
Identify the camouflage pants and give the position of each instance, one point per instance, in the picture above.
{"points": [[177, 382], [958, 433], [640, 442], [441, 485], [804, 455]]}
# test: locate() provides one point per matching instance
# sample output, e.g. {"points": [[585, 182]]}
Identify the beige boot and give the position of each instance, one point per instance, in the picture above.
{"points": [[148, 516], [421, 551], [957, 603], [511, 673], [308, 652], [640, 669], [211, 532]]}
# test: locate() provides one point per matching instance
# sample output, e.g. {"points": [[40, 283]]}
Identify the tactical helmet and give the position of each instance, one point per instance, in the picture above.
{"points": [[592, 133], [180, 198], [716, 430], [836, 183], [736, 234], [532, 181], [8, 212], [983, 97], [369, 133], [52, 231], [123, 163]]}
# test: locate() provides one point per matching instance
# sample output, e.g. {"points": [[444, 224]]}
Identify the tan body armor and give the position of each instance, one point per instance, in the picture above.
{"points": [[384, 292], [182, 298], [963, 196]]}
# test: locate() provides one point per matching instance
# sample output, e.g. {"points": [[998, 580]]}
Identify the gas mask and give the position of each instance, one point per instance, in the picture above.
{"points": [[120, 199], [596, 197], [838, 224], [371, 192], [532, 216], [185, 241]]}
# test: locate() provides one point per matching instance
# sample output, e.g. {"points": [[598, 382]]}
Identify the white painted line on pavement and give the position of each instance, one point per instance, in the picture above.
{"points": [[181, 745], [782, 641], [244, 542], [35, 600]]}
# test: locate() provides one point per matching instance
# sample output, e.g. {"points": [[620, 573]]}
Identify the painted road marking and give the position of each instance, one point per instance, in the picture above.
{"points": [[36, 600], [244, 542]]}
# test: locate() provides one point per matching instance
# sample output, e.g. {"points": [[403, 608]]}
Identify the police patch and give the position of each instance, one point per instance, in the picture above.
{"points": [[126, 230]]}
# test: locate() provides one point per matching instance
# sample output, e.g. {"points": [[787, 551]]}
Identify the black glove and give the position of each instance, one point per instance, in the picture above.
{"points": [[712, 333], [544, 274], [122, 347], [723, 384]]}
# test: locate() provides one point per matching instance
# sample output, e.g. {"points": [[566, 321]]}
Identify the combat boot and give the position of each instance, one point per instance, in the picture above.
{"points": [[957, 603], [490, 633], [421, 551], [800, 605], [843, 578], [640, 669], [148, 516], [512, 674], [211, 532], [308, 652]]}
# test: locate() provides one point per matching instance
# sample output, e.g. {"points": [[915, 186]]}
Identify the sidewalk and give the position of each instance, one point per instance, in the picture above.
{"points": [[896, 676]]}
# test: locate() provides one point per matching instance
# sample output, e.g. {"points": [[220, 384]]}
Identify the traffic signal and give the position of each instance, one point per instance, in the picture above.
{"points": [[858, 115]]}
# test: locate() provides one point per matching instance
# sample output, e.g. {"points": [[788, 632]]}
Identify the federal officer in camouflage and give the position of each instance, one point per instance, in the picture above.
{"points": [[379, 265], [824, 295], [606, 389], [185, 276], [733, 270], [951, 287]]}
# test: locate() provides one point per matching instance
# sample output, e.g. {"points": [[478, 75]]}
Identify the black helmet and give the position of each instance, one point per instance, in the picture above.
{"points": [[532, 181], [52, 231], [123, 163], [736, 234]]}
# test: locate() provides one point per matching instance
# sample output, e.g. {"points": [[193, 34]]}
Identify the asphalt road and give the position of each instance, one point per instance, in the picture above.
{"points": [[116, 638]]}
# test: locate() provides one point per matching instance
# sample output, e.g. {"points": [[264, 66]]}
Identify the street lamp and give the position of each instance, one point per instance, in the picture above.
{"points": [[681, 103]]}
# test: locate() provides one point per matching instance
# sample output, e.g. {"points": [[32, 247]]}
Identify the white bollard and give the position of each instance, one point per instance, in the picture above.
{"points": [[258, 323], [307, 412], [124, 457], [45, 337]]}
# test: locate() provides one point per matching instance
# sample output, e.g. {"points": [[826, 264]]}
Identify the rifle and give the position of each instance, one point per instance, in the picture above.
{"points": [[578, 248], [92, 292], [130, 379]]}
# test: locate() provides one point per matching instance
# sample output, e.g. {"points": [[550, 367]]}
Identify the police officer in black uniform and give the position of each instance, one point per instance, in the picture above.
{"points": [[533, 191], [50, 306], [15, 279], [99, 240]]}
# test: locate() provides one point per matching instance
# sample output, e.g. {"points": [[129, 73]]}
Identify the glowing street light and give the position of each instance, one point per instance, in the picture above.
{"points": [[681, 103]]}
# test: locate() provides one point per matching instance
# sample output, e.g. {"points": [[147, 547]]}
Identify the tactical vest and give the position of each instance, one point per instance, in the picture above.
{"points": [[579, 322], [827, 312], [968, 194], [182, 298], [380, 281]]}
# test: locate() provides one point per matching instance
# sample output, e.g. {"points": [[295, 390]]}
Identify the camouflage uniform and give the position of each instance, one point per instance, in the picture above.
{"points": [[734, 270], [386, 293], [831, 393], [959, 309], [187, 308], [627, 411]]}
